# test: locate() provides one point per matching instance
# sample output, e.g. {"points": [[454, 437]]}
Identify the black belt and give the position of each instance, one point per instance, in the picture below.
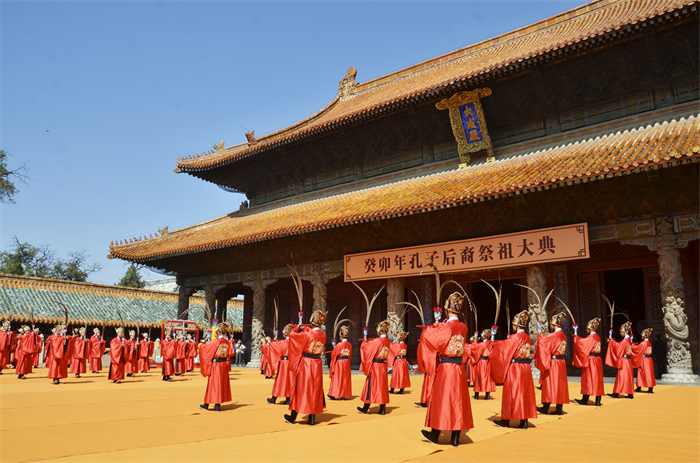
{"points": [[343, 357], [557, 357], [284, 358], [594, 355], [379, 360], [311, 356], [626, 357], [400, 357], [520, 361], [455, 360], [219, 360], [483, 358], [646, 356]]}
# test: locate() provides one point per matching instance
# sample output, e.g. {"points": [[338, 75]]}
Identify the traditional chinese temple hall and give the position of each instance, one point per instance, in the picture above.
{"points": [[562, 156]]}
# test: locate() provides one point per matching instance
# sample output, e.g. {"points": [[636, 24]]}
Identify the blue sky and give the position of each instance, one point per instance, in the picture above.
{"points": [[99, 98]]}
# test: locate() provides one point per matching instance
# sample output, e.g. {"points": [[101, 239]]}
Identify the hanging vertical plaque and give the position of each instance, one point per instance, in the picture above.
{"points": [[468, 123]]}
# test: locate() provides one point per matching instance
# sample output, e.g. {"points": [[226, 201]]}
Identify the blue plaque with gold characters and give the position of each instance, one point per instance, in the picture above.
{"points": [[468, 123]]}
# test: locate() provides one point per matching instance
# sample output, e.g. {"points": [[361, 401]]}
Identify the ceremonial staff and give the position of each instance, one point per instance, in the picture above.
{"points": [[369, 306], [541, 305], [498, 293]]}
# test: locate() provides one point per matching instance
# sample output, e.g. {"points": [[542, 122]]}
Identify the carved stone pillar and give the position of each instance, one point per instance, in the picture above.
{"points": [[319, 281], [394, 295], [666, 244], [537, 280], [257, 333]]}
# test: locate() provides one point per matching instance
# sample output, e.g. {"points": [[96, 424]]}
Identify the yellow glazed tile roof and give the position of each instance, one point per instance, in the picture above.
{"points": [[610, 154], [570, 28]]}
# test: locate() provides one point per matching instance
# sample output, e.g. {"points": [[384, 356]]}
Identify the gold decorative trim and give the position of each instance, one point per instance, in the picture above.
{"points": [[464, 146]]}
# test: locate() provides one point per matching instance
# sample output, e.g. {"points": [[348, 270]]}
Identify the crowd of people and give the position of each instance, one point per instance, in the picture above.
{"points": [[450, 362]]}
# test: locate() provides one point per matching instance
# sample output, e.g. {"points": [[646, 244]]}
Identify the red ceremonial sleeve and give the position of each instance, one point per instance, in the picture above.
{"points": [[297, 342], [615, 352], [206, 355], [501, 353], [638, 352], [543, 351], [394, 349], [334, 357]]}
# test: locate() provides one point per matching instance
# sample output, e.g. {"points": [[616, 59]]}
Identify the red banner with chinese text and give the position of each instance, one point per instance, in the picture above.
{"points": [[569, 242]]}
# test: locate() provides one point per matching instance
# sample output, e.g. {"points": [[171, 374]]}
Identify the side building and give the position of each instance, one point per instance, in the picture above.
{"points": [[495, 161]]}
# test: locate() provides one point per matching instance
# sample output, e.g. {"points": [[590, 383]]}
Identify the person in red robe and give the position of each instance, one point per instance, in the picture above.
{"points": [[190, 353], [60, 347], [400, 378], [39, 347], [587, 357], [619, 356], [97, 350], [305, 348], [26, 346], [117, 357], [644, 361], [270, 362], [340, 374], [167, 352], [510, 364], [483, 378], [469, 360], [131, 350], [7, 340], [550, 360], [179, 361], [145, 353], [284, 381], [215, 361], [449, 408], [373, 354], [81, 352], [263, 356]]}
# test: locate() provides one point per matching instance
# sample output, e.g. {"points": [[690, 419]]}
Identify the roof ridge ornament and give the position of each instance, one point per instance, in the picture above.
{"points": [[250, 136], [219, 147], [347, 84], [469, 124]]}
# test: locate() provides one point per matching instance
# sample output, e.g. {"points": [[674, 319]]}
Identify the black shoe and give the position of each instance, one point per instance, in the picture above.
{"points": [[501, 423], [614, 395], [312, 420], [583, 400], [476, 396], [559, 410], [217, 407], [342, 398], [597, 401], [455, 438], [421, 404], [382, 409], [20, 376], [391, 391], [363, 409], [523, 424], [651, 390], [291, 418], [331, 397], [544, 409], [272, 400], [639, 389], [630, 396], [431, 436], [488, 396], [401, 391], [204, 406], [286, 402]]}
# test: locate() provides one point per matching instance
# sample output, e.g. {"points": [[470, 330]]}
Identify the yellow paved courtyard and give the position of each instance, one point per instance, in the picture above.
{"points": [[143, 419]]}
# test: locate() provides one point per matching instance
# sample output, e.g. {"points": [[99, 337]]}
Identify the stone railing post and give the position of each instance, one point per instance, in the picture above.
{"points": [[394, 296], [319, 281]]}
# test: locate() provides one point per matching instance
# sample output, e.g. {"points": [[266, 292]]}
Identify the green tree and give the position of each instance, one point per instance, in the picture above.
{"points": [[28, 260], [7, 187], [132, 278]]}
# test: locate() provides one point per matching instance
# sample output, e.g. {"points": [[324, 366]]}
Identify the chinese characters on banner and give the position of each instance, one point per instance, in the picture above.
{"points": [[554, 244]]}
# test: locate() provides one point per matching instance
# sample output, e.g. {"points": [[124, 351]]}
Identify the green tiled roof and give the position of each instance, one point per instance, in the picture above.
{"points": [[96, 304]]}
